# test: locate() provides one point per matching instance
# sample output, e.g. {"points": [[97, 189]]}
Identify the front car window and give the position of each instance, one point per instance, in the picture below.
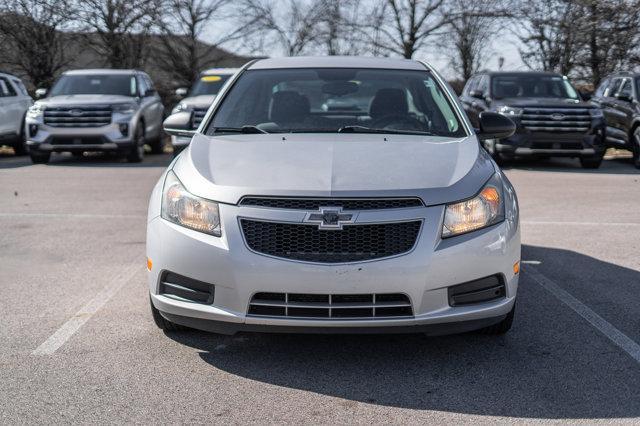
{"points": [[209, 85], [124, 85], [334, 99], [532, 86]]}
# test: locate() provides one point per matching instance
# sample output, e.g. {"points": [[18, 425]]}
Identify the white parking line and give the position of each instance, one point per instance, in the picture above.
{"points": [[570, 223], [68, 329], [603, 326], [72, 216]]}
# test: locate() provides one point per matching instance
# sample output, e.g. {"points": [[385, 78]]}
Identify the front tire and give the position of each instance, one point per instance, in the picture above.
{"points": [[20, 147], [156, 145], [136, 154], [502, 327], [39, 157], [635, 147], [161, 322], [592, 162]]}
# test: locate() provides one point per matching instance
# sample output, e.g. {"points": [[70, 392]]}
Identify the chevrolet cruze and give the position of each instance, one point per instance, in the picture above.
{"points": [[333, 195]]}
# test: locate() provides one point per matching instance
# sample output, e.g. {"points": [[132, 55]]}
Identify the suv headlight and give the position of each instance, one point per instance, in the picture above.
{"points": [[485, 209], [35, 111], [182, 106], [510, 111], [185, 209], [125, 109]]}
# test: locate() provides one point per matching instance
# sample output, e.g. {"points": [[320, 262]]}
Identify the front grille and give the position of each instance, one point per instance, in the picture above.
{"points": [[305, 242], [330, 306], [198, 116], [556, 119], [85, 116], [345, 203]]}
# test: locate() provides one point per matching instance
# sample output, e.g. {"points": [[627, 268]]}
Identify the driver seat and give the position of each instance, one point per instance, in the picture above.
{"points": [[388, 102]]}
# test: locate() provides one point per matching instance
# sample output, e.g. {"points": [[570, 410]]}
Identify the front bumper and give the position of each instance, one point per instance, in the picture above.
{"points": [[60, 139], [424, 275], [558, 144]]}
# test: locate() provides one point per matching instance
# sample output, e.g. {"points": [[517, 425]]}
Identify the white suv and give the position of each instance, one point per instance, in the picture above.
{"points": [[14, 103], [96, 110]]}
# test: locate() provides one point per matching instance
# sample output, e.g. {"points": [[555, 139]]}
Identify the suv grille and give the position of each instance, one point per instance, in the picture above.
{"points": [[556, 119], [351, 244], [345, 203], [86, 116], [198, 116], [330, 306]]}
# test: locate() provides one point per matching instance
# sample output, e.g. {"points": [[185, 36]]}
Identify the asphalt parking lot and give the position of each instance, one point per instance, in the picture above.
{"points": [[78, 344]]}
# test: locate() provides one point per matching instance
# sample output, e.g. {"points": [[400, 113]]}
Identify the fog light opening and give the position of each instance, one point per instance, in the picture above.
{"points": [[124, 129], [33, 130]]}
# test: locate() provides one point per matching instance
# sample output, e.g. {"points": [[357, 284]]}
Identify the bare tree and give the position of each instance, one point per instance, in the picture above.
{"points": [[120, 27], [470, 31], [338, 28], [403, 27], [31, 41], [551, 34], [183, 24], [612, 36], [294, 25]]}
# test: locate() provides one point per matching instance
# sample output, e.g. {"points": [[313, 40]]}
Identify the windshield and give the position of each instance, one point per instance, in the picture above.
{"points": [[337, 99], [532, 86], [124, 85], [208, 85]]}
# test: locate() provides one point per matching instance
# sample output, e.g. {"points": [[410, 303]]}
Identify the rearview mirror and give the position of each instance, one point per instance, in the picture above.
{"points": [[41, 93], [495, 126], [180, 124], [181, 92]]}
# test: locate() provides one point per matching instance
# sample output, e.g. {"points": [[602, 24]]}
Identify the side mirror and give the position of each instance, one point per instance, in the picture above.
{"points": [[180, 124], [478, 94], [586, 96], [41, 93], [623, 97], [150, 92], [495, 126], [181, 92]]}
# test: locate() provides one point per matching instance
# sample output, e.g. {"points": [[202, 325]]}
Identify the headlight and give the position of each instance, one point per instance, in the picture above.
{"points": [[181, 107], [185, 209], [35, 110], [510, 111], [126, 109], [485, 209], [596, 113]]}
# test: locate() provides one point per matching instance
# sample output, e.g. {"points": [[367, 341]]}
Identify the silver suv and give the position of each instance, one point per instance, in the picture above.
{"points": [[14, 102], [96, 110]]}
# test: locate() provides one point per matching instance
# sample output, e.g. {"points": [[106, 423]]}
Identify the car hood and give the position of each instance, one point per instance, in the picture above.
{"points": [[201, 101], [439, 170], [65, 100], [542, 103]]}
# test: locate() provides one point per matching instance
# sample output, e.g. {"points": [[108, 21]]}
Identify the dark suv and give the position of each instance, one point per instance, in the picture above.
{"points": [[551, 117], [619, 97]]}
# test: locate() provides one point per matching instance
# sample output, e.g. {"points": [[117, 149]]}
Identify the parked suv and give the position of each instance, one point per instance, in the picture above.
{"points": [[14, 103], [199, 99], [551, 117], [96, 110], [619, 97], [334, 194]]}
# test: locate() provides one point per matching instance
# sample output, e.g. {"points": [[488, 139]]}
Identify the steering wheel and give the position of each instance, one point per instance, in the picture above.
{"points": [[398, 122]]}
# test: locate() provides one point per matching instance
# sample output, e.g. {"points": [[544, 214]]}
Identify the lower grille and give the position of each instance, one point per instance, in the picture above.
{"points": [[85, 116], [186, 289], [330, 306], [198, 116], [353, 243]]}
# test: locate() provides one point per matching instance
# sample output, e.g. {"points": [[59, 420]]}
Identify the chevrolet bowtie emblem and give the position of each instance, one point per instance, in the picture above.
{"points": [[330, 218]]}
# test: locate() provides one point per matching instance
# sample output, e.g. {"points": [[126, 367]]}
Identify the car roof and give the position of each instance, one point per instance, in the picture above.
{"points": [[336, 62], [9, 74], [521, 73], [623, 74], [221, 71], [102, 71]]}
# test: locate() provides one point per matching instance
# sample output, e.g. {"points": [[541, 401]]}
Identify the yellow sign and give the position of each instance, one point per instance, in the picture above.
{"points": [[211, 78]]}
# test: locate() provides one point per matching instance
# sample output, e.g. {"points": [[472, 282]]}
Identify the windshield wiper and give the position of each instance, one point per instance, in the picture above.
{"points": [[364, 129], [243, 129]]}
